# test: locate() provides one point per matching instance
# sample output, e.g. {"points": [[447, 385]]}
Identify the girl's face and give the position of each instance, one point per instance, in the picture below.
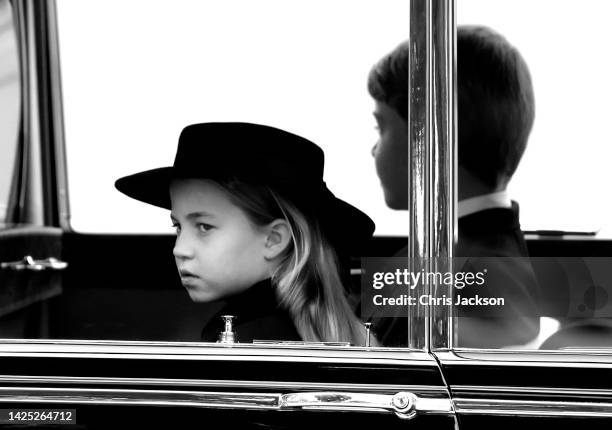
{"points": [[219, 252]]}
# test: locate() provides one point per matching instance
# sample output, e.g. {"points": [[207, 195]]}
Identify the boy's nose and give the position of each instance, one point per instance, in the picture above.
{"points": [[373, 150]]}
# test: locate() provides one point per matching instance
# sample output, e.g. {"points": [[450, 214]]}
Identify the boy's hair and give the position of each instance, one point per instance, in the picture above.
{"points": [[388, 79], [496, 105], [307, 281]]}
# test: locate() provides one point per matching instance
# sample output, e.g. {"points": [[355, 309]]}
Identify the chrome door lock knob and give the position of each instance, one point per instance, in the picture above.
{"points": [[368, 333], [228, 335]]}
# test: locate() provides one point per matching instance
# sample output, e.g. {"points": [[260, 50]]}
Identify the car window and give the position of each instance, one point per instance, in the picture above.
{"points": [[10, 103], [127, 94], [561, 176]]}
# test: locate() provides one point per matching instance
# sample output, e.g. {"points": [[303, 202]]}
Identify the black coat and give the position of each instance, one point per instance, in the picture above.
{"points": [[492, 240], [258, 316], [484, 237]]}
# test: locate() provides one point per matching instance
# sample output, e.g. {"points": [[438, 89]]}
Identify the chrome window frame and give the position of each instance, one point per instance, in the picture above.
{"points": [[432, 149], [39, 196]]}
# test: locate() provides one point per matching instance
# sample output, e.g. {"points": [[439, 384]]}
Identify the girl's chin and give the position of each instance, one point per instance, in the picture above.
{"points": [[198, 294]]}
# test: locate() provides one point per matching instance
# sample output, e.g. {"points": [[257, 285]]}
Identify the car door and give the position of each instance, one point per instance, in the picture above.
{"points": [[97, 332]]}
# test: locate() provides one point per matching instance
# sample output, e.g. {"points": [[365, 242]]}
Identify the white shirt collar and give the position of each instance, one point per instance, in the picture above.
{"points": [[469, 206]]}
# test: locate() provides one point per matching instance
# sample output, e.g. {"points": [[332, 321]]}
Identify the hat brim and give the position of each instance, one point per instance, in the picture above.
{"points": [[150, 186], [344, 225]]}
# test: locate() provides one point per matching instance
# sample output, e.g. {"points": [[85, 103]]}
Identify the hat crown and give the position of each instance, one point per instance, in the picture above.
{"points": [[249, 151]]}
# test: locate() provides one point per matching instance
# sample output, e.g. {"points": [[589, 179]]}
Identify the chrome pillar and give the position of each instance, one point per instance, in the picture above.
{"points": [[39, 179], [432, 155]]}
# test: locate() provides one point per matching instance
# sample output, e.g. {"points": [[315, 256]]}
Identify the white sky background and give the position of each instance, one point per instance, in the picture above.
{"points": [[135, 72], [564, 179]]}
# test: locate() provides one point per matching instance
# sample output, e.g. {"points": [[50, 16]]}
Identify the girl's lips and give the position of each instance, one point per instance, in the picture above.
{"points": [[186, 274], [188, 280]]}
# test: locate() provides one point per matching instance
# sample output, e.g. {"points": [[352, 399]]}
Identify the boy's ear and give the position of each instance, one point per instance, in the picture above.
{"points": [[278, 238]]}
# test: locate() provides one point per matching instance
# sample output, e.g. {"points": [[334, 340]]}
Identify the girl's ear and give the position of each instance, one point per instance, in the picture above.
{"points": [[278, 238]]}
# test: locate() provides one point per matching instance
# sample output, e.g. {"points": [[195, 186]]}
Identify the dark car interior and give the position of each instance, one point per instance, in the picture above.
{"points": [[120, 287]]}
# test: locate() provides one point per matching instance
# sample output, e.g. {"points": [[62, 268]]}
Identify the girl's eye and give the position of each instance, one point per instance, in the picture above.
{"points": [[204, 228]]}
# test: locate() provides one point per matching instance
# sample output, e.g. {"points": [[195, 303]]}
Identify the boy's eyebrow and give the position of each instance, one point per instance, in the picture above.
{"points": [[194, 215]]}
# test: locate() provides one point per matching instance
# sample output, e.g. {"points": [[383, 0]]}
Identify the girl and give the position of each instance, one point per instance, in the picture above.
{"points": [[258, 228]]}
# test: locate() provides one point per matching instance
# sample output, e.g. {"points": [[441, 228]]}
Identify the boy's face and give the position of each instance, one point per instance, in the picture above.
{"points": [[218, 250], [391, 155]]}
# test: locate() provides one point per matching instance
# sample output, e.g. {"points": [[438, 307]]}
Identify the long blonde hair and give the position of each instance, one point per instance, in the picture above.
{"points": [[307, 280]]}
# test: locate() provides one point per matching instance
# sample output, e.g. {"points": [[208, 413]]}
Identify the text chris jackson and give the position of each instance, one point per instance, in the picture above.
{"points": [[426, 299]]}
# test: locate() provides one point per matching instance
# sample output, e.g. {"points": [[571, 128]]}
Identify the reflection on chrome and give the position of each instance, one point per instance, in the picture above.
{"points": [[405, 405]]}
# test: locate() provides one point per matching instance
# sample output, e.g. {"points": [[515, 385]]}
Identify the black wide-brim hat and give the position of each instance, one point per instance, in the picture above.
{"points": [[289, 164]]}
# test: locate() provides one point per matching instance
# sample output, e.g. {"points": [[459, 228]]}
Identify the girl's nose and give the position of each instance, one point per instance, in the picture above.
{"points": [[182, 247], [373, 150]]}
